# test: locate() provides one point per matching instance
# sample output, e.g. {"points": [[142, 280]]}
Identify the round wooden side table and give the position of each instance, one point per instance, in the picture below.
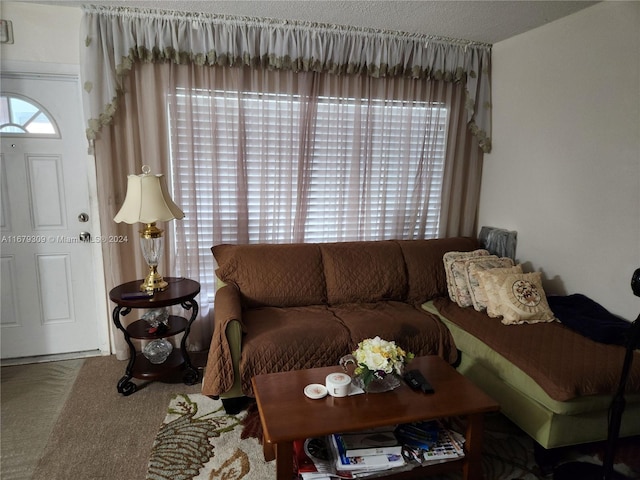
{"points": [[181, 291]]}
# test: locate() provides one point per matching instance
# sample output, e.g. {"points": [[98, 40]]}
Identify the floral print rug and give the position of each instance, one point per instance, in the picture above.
{"points": [[198, 440]]}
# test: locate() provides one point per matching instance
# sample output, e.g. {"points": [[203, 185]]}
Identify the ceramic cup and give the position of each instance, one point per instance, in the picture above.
{"points": [[338, 384]]}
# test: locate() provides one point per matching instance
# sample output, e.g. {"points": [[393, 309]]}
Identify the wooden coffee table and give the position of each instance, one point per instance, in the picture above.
{"points": [[287, 414]]}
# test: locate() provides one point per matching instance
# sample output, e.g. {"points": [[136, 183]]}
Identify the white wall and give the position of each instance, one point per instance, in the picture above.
{"points": [[42, 33], [565, 167]]}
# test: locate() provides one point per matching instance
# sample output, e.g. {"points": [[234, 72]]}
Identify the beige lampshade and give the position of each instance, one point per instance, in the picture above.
{"points": [[147, 200]]}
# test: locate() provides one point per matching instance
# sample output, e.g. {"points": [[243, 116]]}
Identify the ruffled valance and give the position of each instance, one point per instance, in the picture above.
{"points": [[117, 37]]}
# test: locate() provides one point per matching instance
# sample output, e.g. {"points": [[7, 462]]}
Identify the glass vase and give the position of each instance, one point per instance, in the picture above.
{"points": [[368, 382], [157, 351], [377, 385]]}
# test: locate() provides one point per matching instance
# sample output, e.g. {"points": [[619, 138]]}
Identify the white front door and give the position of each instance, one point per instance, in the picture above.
{"points": [[48, 277]]}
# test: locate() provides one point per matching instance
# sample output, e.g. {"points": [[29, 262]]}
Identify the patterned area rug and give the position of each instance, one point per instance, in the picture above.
{"points": [[199, 441]]}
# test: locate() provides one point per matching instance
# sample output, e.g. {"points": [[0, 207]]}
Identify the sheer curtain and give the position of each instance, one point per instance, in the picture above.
{"points": [[278, 156], [250, 143]]}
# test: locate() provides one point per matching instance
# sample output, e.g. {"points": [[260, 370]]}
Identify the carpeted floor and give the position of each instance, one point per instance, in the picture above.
{"points": [[95, 434], [66, 420], [32, 398]]}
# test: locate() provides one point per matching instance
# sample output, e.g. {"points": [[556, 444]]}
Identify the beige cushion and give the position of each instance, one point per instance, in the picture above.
{"points": [[516, 297], [461, 276], [476, 289], [490, 284], [487, 282], [453, 284]]}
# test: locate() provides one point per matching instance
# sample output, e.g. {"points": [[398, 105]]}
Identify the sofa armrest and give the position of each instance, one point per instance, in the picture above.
{"points": [[228, 305], [222, 372]]}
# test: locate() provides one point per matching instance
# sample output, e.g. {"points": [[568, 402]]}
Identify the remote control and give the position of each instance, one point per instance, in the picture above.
{"points": [[136, 295], [416, 380]]}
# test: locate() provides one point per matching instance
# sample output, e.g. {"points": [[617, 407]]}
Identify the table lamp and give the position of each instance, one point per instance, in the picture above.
{"points": [[148, 201]]}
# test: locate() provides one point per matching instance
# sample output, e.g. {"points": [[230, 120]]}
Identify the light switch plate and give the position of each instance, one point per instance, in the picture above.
{"points": [[6, 31]]}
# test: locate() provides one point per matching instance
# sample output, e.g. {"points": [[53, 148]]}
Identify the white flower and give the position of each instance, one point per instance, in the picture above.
{"points": [[378, 355]]}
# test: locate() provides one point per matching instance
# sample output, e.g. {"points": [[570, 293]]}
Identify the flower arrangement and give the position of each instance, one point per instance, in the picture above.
{"points": [[376, 358]]}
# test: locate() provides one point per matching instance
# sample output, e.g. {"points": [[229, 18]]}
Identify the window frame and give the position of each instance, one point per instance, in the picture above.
{"points": [[25, 133]]}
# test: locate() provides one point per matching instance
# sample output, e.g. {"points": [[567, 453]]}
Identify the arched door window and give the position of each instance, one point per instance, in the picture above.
{"points": [[21, 116]]}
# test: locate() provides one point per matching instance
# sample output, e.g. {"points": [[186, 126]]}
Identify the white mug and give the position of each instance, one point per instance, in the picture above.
{"points": [[338, 384]]}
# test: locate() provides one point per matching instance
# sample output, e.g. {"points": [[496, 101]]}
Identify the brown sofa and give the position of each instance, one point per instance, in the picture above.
{"points": [[286, 307], [295, 306], [552, 381]]}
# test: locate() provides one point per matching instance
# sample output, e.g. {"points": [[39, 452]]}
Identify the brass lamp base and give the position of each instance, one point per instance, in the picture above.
{"points": [[153, 282], [151, 243]]}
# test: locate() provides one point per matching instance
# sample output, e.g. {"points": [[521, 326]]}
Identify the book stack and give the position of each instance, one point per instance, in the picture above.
{"points": [[366, 453], [348, 455], [379, 441]]}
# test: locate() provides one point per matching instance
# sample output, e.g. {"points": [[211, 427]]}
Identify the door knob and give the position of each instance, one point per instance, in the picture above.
{"points": [[85, 237]]}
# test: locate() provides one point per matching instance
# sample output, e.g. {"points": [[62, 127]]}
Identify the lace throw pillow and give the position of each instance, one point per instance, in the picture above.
{"points": [[460, 268], [516, 297], [449, 258], [476, 287]]}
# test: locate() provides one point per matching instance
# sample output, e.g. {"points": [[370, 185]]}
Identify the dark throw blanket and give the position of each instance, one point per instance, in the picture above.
{"points": [[589, 318]]}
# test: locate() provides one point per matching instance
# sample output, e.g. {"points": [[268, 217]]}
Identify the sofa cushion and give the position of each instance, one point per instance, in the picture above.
{"points": [[295, 338], [363, 271], [517, 297], [413, 329], [426, 275], [449, 258], [476, 289], [459, 269], [487, 279], [273, 275], [565, 364]]}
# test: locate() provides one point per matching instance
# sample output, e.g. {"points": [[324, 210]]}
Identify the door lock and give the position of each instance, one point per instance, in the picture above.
{"points": [[85, 237], [83, 217]]}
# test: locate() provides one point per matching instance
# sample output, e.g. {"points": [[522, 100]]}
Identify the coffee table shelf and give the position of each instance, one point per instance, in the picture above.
{"points": [[454, 396]]}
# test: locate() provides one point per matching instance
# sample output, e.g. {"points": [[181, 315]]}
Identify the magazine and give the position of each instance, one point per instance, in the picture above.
{"points": [[369, 442], [446, 445], [315, 461], [418, 434], [323, 457], [312, 458], [367, 463]]}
